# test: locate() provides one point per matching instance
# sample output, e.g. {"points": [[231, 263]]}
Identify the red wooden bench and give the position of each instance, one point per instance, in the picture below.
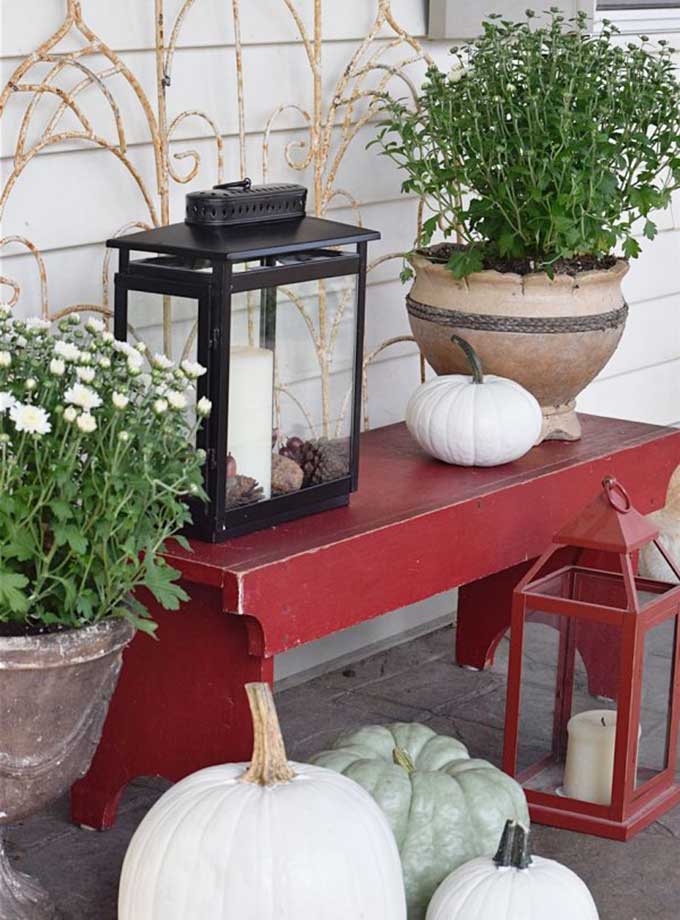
{"points": [[415, 528]]}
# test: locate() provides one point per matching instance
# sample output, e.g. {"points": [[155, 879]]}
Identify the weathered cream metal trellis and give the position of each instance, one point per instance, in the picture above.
{"points": [[332, 123]]}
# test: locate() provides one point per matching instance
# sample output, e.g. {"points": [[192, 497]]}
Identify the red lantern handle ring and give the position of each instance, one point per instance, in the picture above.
{"points": [[616, 494]]}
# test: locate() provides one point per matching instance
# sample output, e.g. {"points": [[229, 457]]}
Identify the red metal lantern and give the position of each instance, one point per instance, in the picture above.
{"points": [[595, 752]]}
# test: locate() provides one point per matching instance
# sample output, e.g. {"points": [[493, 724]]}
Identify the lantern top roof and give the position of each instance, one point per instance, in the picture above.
{"points": [[609, 523], [240, 243]]}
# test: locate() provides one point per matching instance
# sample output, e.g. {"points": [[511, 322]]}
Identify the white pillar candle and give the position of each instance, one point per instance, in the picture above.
{"points": [[249, 429], [589, 769]]}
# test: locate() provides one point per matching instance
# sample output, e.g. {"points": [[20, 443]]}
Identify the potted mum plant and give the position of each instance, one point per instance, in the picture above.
{"points": [[95, 456], [539, 153]]}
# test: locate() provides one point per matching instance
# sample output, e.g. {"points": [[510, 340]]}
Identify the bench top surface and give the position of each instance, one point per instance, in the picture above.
{"points": [[399, 482]]}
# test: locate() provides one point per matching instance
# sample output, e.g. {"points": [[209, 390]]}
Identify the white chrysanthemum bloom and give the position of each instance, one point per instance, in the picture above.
{"points": [[37, 324], [70, 414], [29, 418], [95, 325], [86, 423], [85, 374], [74, 318], [160, 406], [141, 348], [21, 341], [104, 362], [5, 312], [67, 350], [86, 357], [107, 336], [162, 362], [5, 359], [119, 400], [203, 407], [82, 396], [57, 367], [177, 400], [124, 436], [193, 369], [31, 383], [457, 72], [123, 347], [133, 367], [4, 439], [144, 380], [6, 401], [161, 389]]}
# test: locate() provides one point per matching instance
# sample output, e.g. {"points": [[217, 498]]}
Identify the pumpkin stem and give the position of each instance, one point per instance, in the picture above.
{"points": [[269, 764], [514, 850], [472, 357], [402, 759]]}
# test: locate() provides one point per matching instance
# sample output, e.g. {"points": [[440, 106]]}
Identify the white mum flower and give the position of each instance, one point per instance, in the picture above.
{"points": [[123, 347], [141, 348], [6, 401], [203, 407], [32, 419], [104, 362], [160, 406], [144, 380], [30, 384], [107, 336], [457, 72], [67, 350], [85, 374], [162, 362], [124, 436], [82, 396], [119, 400], [193, 369], [86, 423], [5, 312], [95, 325], [57, 367], [21, 341], [70, 414], [74, 319], [5, 359], [177, 400], [37, 324], [134, 367]]}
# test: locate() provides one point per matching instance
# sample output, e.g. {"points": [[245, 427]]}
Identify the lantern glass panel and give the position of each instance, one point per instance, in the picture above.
{"points": [[145, 324], [280, 339], [556, 651], [655, 701]]}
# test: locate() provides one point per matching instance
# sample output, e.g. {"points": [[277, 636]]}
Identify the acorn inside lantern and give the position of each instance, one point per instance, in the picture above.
{"points": [[271, 303], [596, 750]]}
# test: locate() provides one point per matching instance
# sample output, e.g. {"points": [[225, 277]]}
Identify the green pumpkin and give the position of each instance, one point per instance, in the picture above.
{"points": [[444, 808]]}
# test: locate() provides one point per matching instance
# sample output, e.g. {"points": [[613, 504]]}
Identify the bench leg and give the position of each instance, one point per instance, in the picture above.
{"points": [[179, 705], [484, 609]]}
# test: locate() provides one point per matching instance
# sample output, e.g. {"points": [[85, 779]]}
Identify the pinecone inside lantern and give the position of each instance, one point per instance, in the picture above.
{"points": [[321, 460], [243, 490]]}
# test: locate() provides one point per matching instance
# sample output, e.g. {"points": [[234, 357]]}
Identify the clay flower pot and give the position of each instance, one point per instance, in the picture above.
{"points": [[54, 694], [551, 336]]}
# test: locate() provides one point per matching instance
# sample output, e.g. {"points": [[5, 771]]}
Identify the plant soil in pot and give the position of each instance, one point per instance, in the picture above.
{"points": [[553, 336], [546, 152], [54, 691]]}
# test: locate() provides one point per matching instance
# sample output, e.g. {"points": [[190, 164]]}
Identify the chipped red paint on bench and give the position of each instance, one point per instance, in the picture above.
{"points": [[415, 528]]}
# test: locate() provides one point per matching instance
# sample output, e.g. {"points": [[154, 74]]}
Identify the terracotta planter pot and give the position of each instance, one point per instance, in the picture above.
{"points": [[54, 695], [553, 337]]}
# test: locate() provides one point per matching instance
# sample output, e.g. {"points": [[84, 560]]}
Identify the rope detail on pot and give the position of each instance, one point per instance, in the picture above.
{"points": [[523, 324]]}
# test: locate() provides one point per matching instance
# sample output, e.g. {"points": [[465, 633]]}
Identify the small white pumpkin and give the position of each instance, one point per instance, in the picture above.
{"points": [[265, 841], [475, 420], [512, 886]]}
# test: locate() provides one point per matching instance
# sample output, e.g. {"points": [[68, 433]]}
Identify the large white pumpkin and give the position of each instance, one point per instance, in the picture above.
{"points": [[512, 886], [265, 841], [474, 421]]}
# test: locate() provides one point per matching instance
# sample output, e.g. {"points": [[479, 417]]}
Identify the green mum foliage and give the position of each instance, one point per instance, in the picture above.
{"points": [[96, 457], [542, 143]]}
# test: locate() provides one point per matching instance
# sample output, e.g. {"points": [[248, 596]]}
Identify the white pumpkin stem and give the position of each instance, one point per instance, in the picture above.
{"points": [[402, 759], [269, 764], [514, 850], [472, 357]]}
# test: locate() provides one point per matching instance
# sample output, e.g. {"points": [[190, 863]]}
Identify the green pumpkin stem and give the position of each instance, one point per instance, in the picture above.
{"points": [[402, 759], [269, 764], [472, 357], [514, 850]]}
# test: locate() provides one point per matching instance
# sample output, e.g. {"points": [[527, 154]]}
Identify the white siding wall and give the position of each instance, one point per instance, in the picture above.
{"points": [[71, 198]]}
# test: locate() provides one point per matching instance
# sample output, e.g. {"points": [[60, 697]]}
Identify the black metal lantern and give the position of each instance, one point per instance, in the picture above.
{"points": [[263, 305]]}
